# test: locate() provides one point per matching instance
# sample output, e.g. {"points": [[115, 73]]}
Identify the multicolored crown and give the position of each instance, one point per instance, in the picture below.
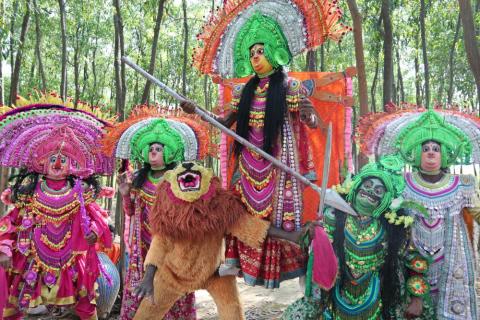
{"points": [[303, 24], [183, 138], [35, 129]]}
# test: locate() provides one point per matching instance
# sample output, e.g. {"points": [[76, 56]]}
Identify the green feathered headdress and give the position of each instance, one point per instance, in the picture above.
{"points": [[389, 171], [158, 131], [431, 126], [260, 29]]}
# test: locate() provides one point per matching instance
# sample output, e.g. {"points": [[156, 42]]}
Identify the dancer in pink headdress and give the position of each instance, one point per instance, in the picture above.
{"points": [[49, 238]]}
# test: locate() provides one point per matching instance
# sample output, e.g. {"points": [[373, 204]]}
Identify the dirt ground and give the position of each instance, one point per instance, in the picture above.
{"points": [[259, 303]]}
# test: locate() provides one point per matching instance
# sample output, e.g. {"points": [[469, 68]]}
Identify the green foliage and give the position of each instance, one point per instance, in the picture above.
{"points": [[90, 34]]}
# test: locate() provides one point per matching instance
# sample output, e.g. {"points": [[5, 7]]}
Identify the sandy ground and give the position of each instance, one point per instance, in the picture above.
{"points": [[259, 303]]}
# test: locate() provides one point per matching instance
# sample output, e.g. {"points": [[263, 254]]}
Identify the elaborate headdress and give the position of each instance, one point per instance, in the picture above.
{"points": [[260, 29], [30, 134], [183, 138], [286, 27], [403, 132], [389, 171]]}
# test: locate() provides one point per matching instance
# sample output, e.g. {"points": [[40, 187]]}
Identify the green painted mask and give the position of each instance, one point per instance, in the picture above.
{"points": [[369, 196]]}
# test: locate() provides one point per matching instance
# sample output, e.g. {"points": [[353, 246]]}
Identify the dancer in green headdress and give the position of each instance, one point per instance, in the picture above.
{"points": [[431, 142], [371, 247]]}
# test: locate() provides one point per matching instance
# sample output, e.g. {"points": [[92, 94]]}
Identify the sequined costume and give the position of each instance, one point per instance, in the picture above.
{"points": [[282, 29], [372, 249], [442, 227], [442, 237], [181, 138], [272, 194], [46, 232], [51, 255]]}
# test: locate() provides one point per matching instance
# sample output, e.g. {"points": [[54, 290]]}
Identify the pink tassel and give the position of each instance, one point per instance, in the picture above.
{"points": [[325, 263]]}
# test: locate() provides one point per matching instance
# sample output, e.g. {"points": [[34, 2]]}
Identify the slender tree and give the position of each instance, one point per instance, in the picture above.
{"points": [[185, 48], [451, 65], [63, 29], [311, 61], [38, 46], [153, 54], [400, 87], [359, 56], [471, 43], [18, 60], [424, 53], [387, 53]]}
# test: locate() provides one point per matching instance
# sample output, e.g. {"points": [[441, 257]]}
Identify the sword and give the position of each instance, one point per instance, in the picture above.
{"points": [[326, 170], [331, 198]]}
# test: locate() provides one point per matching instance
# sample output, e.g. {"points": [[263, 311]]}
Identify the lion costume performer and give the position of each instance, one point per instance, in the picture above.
{"points": [[158, 142], [52, 230], [272, 111], [190, 218], [431, 142]]}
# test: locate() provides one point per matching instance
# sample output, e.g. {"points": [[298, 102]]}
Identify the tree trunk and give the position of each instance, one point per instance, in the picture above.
{"points": [[424, 51], [18, 59], [76, 66], [401, 89], [63, 28], [373, 89], [311, 63], [322, 58], [94, 66], [451, 66], [12, 42], [471, 44], [38, 47], [359, 56], [185, 48], [418, 93], [387, 53], [119, 65], [153, 54], [85, 76]]}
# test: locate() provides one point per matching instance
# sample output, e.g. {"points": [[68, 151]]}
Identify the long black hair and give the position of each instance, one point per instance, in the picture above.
{"points": [[275, 108], [390, 271], [25, 182]]}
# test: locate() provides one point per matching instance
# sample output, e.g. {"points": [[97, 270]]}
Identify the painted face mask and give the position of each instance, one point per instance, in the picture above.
{"points": [[369, 196], [431, 160], [58, 167]]}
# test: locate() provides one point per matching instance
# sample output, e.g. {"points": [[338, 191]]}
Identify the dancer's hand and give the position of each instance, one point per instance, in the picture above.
{"points": [[145, 288], [415, 308], [308, 115], [5, 261], [6, 197], [124, 182], [188, 106], [91, 238]]}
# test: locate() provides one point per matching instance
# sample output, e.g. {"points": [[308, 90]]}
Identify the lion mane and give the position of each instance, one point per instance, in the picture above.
{"points": [[214, 212]]}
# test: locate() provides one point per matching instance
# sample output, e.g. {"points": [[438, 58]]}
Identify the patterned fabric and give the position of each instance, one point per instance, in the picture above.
{"points": [[442, 238], [51, 255], [138, 242], [271, 194]]}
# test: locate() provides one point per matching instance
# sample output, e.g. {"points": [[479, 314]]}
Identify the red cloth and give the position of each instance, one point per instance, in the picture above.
{"points": [[325, 263]]}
